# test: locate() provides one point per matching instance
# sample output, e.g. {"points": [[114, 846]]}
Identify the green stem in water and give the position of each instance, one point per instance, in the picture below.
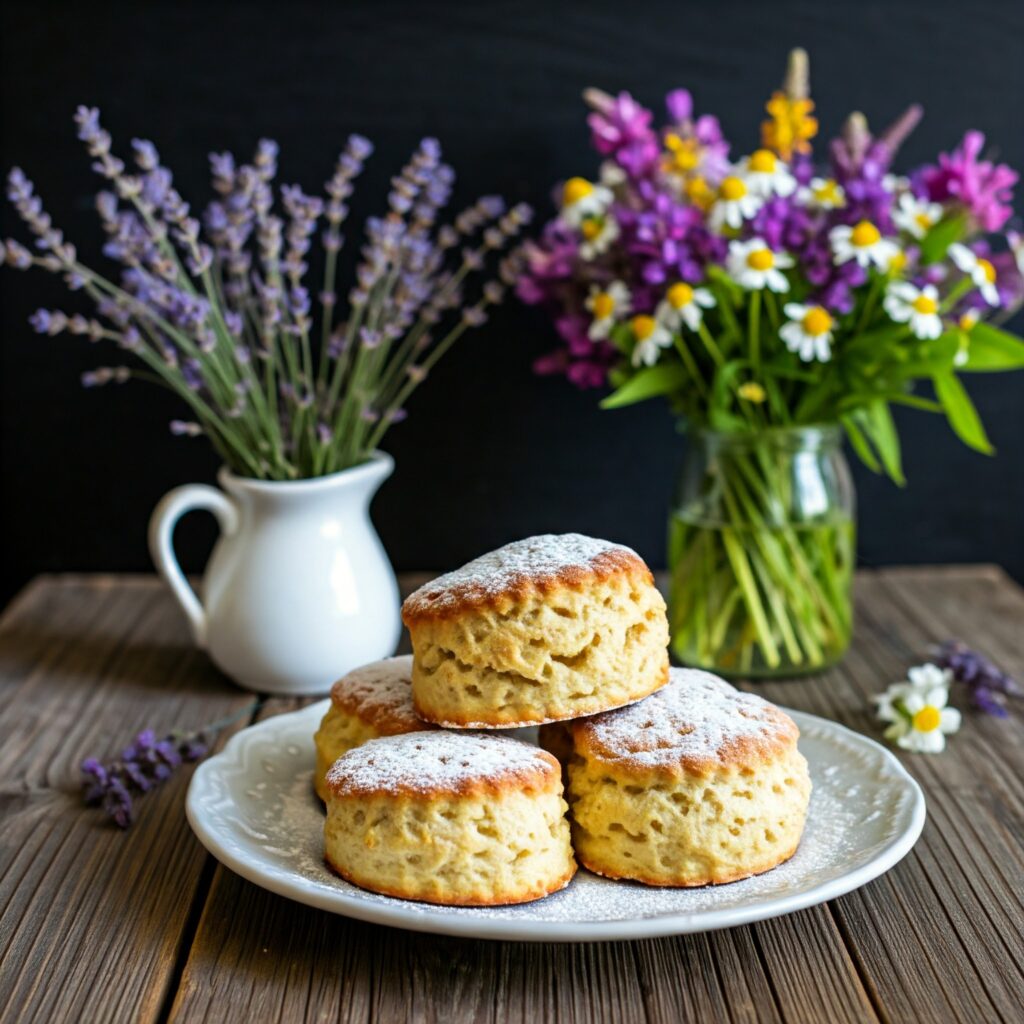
{"points": [[754, 333]]}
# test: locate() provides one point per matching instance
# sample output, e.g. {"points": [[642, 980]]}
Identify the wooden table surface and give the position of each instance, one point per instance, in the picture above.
{"points": [[103, 925]]}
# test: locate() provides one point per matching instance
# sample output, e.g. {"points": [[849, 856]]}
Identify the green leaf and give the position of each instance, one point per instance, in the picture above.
{"points": [[990, 349], [650, 382], [960, 412], [941, 237], [882, 430], [859, 399], [860, 444]]}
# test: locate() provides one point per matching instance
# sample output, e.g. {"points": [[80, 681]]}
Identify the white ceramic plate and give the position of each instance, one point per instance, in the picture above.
{"points": [[253, 807]]}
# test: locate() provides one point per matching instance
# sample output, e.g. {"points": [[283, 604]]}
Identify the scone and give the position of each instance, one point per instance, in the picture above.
{"points": [[454, 818], [545, 629], [372, 701], [696, 785]]}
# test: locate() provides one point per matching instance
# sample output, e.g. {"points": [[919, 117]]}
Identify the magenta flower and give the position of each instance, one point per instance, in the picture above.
{"points": [[985, 189], [621, 128]]}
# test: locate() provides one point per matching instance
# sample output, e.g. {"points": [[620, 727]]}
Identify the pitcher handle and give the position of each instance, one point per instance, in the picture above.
{"points": [[165, 516]]}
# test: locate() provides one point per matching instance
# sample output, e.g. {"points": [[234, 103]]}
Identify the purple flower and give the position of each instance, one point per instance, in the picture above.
{"points": [[144, 764], [989, 686], [621, 128], [983, 188]]}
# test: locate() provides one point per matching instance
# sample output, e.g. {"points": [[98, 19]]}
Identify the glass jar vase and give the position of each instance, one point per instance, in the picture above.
{"points": [[761, 552]]}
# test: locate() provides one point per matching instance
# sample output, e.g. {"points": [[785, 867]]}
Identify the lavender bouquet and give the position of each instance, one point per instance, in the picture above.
{"points": [[771, 298], [221, 313]]}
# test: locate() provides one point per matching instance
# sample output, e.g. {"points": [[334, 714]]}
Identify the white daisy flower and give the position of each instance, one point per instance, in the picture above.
{"points": [[582, 199], [651, 337], [808, 331], [608, 306], [754, 266], [918, 307], [978, 269], [735, 203], [611, 174], [684, 304], [915, 216], [916, 710], [766, 175], [893, 183], [823, 194], [927, 677], [864, 243], [926, 723], [598, 234]]}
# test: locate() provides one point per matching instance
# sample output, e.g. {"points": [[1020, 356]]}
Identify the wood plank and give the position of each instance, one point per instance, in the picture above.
{"points": [[92, 918], [919, 933]]}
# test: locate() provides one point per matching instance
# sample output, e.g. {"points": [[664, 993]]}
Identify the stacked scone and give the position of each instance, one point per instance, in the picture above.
{"points": [[672, 777]]}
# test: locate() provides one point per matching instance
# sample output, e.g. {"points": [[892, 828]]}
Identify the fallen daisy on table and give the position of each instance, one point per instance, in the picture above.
{"points": [[916, 710]]}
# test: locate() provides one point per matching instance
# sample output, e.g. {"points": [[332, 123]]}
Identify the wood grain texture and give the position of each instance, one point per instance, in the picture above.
{"points": [[96, 924], [92, 919]]}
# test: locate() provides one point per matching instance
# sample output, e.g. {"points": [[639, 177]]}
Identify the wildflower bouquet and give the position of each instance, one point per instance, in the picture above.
{"points": [[767, 295], [220, 312]]}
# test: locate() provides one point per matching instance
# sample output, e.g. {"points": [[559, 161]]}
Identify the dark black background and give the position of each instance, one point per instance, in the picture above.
{"points": [[489, 452]]}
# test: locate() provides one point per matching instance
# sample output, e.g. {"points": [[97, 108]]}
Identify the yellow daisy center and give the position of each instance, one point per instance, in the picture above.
{"points": [[923, 220], [680, 294], [576, 189], [590, 228], [752, 392], [817, 321], [685, 153], [927, 719], [828, 193], [732, 188], [762, 161], [761, 259], [602, 306], [643, 327], [925, 304], [968, 320], [865, 234], [898, 261], [988, 270]]}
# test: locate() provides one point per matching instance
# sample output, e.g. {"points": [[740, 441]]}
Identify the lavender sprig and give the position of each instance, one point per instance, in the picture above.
{"points": [[144, 764], [218, 310], [988, 685]]}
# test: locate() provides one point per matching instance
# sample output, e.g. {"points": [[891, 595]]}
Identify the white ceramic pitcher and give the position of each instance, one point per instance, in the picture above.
{"points": [[298, 589]]}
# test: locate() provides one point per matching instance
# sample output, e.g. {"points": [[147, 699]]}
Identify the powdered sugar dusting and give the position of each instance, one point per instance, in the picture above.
{"points": [[688, 721], [435, 762], [382, 689], [532, 560]]}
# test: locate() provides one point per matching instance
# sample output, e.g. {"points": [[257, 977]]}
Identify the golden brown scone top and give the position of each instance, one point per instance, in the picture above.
{"points": [[698, 723], [443, 763], [544, 563], [380, 694]]}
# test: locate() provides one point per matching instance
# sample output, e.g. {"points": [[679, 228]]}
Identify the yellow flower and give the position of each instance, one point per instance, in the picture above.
{"points": [[683, 154], [699, 192], [790, 125], [752, 392]]}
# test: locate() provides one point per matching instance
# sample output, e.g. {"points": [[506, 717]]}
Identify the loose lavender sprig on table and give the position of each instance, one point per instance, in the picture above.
{"points": [[989, 686], [144, 764], [218, 311]]}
